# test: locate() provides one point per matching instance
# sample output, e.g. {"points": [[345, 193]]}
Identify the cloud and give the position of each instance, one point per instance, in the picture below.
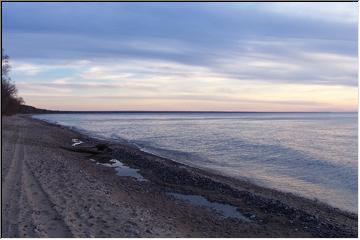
{"points": [[165, 80], [27, 69], [270, 60], [199, 51], [302, 67], [332, 12], [162, 29]]}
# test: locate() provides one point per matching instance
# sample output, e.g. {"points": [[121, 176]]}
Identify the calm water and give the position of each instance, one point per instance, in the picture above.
{"points": [[311, 154]]}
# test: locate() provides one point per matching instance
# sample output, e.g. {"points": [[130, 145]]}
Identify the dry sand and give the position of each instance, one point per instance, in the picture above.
{"points": [[51, 189]]}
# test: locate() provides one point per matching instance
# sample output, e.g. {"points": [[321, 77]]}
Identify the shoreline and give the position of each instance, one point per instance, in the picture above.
{"points": [[268, 212], [209, 171]]}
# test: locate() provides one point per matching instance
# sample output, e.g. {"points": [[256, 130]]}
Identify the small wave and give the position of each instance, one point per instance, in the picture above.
{"points": [[177, 155]]}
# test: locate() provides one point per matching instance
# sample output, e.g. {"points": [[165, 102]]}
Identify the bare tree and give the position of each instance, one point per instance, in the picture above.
{"points": [[10, 102]]}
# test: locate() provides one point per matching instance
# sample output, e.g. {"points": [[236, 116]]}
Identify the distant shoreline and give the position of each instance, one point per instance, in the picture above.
{"points": [[33, 110], [179, 112], [171, 112]]}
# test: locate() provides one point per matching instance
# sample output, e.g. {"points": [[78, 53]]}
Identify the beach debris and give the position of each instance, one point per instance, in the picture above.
{"points": [[76, 142], [87, 147], [81, 149], [102, 147]]}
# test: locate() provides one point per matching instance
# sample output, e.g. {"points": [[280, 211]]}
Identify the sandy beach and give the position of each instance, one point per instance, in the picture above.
{"points": [[60, 183]]}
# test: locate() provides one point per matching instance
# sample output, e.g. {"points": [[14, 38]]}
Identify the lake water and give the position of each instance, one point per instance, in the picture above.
{"points": [[310, 154]]}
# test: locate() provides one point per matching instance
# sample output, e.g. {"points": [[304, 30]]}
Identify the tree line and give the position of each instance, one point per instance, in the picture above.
{"points": [[10, 101]]}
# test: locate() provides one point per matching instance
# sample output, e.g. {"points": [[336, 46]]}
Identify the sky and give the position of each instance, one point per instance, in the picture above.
{"points": [[184, 56]]}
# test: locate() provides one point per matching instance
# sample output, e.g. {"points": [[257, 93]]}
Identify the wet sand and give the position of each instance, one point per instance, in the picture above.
{"points": [[56, 186]]}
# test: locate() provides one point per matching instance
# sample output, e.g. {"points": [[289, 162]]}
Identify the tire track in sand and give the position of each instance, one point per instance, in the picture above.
{"points": [[11, 192], [47, 220]]}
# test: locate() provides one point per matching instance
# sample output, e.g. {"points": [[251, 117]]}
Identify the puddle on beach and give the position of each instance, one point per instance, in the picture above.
{"points": [[226, 210], [76, 142], [122, 170]]}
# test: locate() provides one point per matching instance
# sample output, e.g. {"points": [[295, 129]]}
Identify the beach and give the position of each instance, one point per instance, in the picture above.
{"points": [[59, 183]]}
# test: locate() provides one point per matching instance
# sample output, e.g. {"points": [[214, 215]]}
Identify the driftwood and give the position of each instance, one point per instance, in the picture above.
{"points": [[97, 149], [90, 150]]}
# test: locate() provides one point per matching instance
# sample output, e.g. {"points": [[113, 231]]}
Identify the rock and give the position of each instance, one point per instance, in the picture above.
{"points": [[101, 147]]}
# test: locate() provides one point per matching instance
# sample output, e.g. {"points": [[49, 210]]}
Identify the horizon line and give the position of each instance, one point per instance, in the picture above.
{"points": [[185, 111]]}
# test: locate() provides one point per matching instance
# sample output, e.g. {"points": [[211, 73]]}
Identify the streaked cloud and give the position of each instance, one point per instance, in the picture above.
{"points": [[331, 11], [233, 56]]}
